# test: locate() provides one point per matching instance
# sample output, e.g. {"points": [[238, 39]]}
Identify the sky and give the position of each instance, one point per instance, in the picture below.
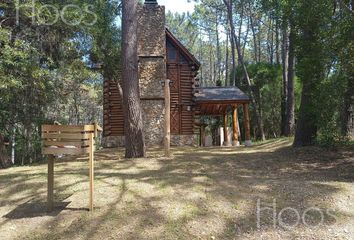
{"points": [[179, 6]]}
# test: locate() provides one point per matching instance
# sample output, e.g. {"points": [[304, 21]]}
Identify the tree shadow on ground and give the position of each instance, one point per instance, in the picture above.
{"points": [[36, 209], [199, 192]]}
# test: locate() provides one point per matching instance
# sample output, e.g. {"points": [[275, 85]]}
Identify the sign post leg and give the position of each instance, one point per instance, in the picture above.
{"points": [[91, 171], [50, 193]]}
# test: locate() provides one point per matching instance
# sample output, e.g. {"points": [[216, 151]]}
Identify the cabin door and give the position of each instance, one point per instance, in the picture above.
{"points": [[173, 75]]}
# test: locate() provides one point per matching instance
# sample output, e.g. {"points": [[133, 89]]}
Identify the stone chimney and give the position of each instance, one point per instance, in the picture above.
{"points": [[152, 68], [150, 2]]}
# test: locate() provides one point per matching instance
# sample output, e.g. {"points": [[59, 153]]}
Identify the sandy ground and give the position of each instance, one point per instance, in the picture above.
{"points": [[268, 191]]}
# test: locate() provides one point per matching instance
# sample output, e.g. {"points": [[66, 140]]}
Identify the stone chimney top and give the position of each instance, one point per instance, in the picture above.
{"points": [[151, 2]]}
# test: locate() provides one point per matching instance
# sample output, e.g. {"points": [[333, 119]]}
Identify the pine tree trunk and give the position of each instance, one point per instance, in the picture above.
{"points": [[290, 103], [285, 60], [310, 73], [218, 49], [228, 4], [348, 110], [227, 59], [277, 43], [133, 124], [233, 55], [254, 40], [306, 128], [5, 160]]}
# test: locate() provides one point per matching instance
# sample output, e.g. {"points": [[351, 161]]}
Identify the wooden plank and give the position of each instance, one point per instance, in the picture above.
{"points": [[117, 126], [50, 186], [67, 128], [60, 151], [71, 136], [78, 143]]}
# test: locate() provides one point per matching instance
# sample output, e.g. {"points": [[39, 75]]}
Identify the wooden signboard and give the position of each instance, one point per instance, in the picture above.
{"points": [[68, 140]]}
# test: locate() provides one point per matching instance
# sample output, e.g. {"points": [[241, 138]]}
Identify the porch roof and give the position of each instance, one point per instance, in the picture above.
{"points": [[217, 100], [221, 95]]}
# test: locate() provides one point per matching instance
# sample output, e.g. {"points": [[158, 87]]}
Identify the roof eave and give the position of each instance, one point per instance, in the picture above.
{"points": [[183, 48]]}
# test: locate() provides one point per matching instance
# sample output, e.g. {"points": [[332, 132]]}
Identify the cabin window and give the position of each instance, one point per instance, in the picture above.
{"points": [[171, 51], [171, 54]]}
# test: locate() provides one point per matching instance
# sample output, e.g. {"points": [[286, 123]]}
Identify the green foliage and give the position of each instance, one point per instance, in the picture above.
{"points": [[322, 67], [329, 102], [267, 83], [50, 73]]}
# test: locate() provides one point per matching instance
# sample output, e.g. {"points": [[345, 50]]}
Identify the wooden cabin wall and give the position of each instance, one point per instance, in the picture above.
{"points": [[182, 74], [183, 112], [113, 119]]}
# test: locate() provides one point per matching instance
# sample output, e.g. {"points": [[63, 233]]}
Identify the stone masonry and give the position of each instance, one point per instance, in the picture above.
{"points": [[152, 70]]}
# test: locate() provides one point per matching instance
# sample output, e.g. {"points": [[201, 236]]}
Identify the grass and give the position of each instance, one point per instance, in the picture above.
{"points": [[199, 193]]}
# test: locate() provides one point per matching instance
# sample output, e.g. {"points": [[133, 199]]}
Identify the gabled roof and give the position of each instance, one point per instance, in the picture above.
{"points": [[181, 47], [220, 95]]}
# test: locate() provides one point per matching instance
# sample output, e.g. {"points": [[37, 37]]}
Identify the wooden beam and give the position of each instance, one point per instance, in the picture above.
{"points": [[78, 143], [247, 125], [91, 169], [70, 136], [235, 141], [226, 102], [219, 109], [222, 109], [50, 187], [63, 150], [68, 129]]}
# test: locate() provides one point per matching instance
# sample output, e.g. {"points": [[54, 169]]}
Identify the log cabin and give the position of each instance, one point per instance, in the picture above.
{"points": [[161, 55]]}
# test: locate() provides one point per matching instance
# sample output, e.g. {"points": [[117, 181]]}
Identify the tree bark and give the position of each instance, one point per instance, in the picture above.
{"points": [[290, 103], [310, 73], [228, 4], [348, 109], [133, 122], [227, 59], [277, 42], [254, 39], [218, 49], [285, 62], [306, 128], [5, 160], [270, 36]]}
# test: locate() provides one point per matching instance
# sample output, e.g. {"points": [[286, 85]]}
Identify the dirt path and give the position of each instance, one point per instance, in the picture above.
{"points": [[210, 193]]}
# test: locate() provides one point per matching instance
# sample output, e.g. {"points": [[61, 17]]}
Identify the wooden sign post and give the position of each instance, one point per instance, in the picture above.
{"points": [[71, 140]]}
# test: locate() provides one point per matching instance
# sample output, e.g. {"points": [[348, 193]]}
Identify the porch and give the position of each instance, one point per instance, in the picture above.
{"points": [[219, 101]]}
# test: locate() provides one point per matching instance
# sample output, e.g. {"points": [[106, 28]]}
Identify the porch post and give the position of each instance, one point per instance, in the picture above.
{"points": [[226, 135], [247, 125], [235, 141]]}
